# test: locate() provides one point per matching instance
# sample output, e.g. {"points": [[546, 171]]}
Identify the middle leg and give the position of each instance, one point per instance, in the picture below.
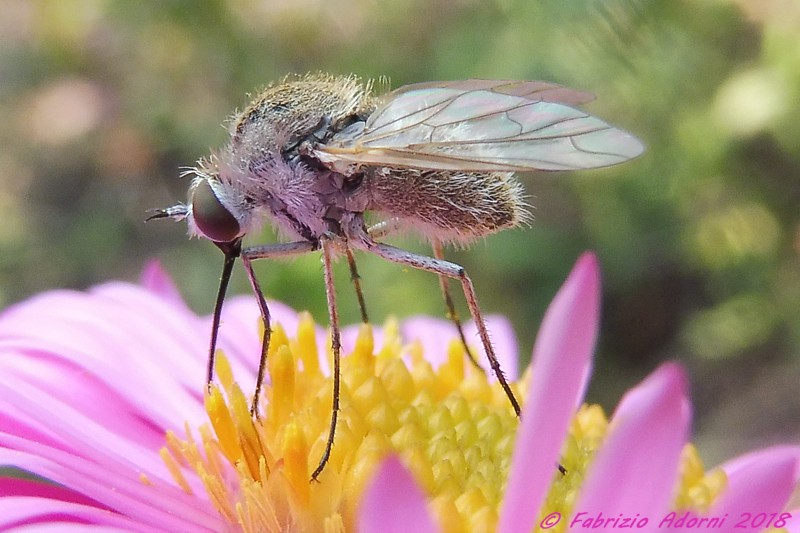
{"points": [[268, 251]]}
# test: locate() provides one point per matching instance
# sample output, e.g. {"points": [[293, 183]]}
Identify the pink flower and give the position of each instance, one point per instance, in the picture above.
{"points": [[101, 395]]}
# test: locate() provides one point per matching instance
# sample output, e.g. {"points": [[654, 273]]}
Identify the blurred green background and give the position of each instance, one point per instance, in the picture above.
{"points": [[102, 103]]}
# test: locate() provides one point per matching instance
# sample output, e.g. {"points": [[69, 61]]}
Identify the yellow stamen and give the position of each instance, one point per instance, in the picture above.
{"points": [[698, 489], [175, 470], [281, 371], [452, 427]]}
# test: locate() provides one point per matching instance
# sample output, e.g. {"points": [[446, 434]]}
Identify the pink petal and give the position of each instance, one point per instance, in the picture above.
{"points": [[35, 415], [504, 342], [115, 487], [156, 279], [436, 334], [394, 503], [238, 334], [40, 514], [72, 331], [760, 482], [11, 486], [85, 403], [635, 472], [733, 466], [561, 362], [793, 523], [24, 502], [433, 333]]}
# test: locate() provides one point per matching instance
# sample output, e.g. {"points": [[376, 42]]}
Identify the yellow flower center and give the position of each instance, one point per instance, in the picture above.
{"points": [[452, 427]]}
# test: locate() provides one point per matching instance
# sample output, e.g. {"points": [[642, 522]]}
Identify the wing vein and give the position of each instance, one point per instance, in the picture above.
{"points": [[483, 126]]}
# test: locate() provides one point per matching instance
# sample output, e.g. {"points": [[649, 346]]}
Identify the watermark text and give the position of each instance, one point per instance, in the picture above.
{"points": [[674, 520]]}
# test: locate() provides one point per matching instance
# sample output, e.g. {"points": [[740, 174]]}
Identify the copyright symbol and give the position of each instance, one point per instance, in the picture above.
{"points": [[550, 520]]}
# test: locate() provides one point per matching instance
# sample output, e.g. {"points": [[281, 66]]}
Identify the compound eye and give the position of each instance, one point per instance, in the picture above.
{"points": [[211, 217]]}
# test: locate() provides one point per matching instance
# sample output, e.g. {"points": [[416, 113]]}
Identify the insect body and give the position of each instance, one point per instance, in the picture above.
{"points": [[313, 154]]}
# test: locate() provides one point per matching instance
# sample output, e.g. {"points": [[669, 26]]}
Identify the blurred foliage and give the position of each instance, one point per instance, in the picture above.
{"points": [[102, 103]]}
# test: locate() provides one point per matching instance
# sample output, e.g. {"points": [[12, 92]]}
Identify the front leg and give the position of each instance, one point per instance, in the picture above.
{"points": [[268, 251]]}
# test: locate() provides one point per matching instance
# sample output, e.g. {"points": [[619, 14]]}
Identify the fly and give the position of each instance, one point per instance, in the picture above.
{"points": [[312, 154]]}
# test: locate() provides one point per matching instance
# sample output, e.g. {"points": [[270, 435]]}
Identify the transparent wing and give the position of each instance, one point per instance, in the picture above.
{"points": [[532, 90], [483, 125]]}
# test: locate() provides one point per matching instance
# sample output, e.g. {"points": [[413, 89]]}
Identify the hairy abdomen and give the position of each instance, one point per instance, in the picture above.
{"points": [[446, 206]]}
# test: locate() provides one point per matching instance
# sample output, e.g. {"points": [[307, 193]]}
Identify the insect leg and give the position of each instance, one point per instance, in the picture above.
{"points": [[330, 293], [444, 284], [450, 270], [231, 251], [356, 279], [269, 251], [387, 227]]}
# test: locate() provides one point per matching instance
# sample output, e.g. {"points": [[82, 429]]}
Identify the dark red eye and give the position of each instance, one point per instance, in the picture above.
{"points": [[211, 217]]}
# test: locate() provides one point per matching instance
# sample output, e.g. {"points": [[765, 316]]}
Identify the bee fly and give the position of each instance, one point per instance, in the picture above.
{"points": [[314, 153]]}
